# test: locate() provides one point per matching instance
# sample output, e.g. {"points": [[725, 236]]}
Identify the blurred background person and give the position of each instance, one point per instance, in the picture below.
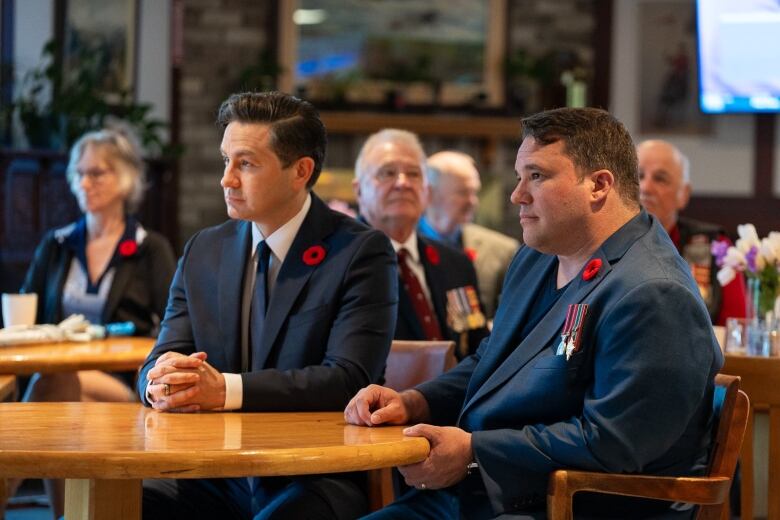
{"points": [[105, 266], [453, 198], [438, 289], [664, 190]]}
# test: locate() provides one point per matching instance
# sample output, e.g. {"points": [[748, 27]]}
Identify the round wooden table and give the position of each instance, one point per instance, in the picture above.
{"points": [[104, 449], [111, 354]]}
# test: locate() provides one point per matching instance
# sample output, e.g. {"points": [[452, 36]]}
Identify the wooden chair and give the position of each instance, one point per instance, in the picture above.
{"points": [[710, 492], [7, 387], [408, 364]]}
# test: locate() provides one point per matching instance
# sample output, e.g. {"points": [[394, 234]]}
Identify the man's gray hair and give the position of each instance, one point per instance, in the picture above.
{"points": [[387, 135]]}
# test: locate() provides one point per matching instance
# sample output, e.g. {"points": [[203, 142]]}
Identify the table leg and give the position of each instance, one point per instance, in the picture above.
{"points": [[746, 467], [380, 488], [95, 499], [773, 483]]}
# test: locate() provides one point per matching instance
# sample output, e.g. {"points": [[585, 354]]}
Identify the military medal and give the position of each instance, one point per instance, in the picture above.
{"points": [[572, 328], [463, 311]]}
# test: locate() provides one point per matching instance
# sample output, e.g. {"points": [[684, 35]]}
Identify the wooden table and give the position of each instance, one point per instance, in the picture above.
{"points": [[761, 381], [105, 449], [111, 354]]}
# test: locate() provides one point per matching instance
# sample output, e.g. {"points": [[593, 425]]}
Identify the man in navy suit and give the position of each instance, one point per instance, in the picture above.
{"points": [[288, 306], [438, 293], [602, 356]]}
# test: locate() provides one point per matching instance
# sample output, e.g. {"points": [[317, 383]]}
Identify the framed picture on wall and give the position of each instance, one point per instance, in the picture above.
{"points": [[394, 53], [668, 83], [99, 38]]}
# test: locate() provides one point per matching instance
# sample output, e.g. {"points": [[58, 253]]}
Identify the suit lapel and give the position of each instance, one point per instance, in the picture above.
{"points": [[230, 284], [406, 311], [540, 336], [294, 273], [436, 287], [122, 275], [511, 315]]}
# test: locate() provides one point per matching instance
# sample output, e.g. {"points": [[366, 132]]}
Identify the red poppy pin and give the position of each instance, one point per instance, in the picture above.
{"points": [[471, 253], [433, 255], [128, 247], [591, 269], [314, 255]]}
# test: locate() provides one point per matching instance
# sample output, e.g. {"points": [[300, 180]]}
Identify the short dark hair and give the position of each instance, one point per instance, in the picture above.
{"points": [[594, 140], [296, 128]]}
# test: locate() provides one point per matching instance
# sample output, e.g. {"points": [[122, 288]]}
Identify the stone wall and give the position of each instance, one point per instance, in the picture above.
{"points": [[222, 38]]}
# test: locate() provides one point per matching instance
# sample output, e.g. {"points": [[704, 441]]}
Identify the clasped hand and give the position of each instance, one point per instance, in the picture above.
{"points": [[182, 383], [451, 450]]}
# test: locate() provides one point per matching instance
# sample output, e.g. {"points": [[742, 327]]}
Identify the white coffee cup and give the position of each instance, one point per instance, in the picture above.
{"points": [[19, 309]]}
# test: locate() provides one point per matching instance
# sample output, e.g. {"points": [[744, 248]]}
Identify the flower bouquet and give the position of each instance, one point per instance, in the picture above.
{"points": [[758, 259]]}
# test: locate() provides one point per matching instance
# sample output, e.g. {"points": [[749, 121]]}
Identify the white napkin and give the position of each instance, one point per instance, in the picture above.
{"points": [[73, 328]]}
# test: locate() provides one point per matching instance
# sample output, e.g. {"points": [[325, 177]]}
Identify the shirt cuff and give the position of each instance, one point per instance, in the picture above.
{"points": [[234, 391], [147, 393]]}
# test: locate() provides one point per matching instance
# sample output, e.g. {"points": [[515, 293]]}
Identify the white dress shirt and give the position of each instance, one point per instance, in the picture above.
{"points": [[279, 242]]}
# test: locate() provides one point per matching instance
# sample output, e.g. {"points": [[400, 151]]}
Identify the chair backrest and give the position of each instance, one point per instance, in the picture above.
{"points": [[413, 362], [731, 409]]}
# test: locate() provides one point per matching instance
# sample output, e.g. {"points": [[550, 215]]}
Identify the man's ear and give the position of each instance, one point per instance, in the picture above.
{"points": [[304, 168], [356, 187], [603, 182], [683, 196]]}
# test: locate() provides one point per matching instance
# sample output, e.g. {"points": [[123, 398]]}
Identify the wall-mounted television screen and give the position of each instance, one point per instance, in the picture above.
{"points": [[739, 55]]}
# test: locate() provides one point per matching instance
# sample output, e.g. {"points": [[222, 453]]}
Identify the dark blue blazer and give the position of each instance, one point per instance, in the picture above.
{"points": [[453, 270], [636, 398], [328, 328]]}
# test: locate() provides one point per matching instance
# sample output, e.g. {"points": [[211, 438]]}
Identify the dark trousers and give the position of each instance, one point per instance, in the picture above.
{"points": [[312, 497]]}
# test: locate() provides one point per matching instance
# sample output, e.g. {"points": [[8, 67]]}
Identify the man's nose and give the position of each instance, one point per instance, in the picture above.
{"points": [[520, 194], [402, 179], [229, 178]]}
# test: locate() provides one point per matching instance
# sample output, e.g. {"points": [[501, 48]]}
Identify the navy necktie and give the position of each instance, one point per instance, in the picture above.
{"points": [[259, 303]]}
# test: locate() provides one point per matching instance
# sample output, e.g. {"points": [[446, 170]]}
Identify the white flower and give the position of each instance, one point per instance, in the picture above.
{"points": [[726, 275], [770, 248], [735, 259], [748, 237]]}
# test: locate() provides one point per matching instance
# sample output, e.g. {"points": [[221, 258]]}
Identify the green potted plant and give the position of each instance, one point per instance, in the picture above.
{"points": [[54, 110]]}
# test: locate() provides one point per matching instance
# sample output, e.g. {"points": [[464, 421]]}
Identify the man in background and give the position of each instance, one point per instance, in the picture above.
{"points": [[288, 306], [453, 199], [664, 190], [438, 290]]}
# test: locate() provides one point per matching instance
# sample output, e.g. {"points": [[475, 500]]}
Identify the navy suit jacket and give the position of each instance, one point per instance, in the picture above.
{"points": [[636, 397], [328, 327], [452, 269]]}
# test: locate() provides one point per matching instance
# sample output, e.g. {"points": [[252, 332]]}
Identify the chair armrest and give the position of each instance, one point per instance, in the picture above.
{"points": [[696, 490]]}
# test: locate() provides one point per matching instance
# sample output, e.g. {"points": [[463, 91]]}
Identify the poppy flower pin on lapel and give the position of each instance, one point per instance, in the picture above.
{"points": [[314, 255], [432, 254], [128, 247], [592, 268], [471, 253]]}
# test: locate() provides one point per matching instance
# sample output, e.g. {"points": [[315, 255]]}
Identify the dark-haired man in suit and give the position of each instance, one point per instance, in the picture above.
{"points": [[288, 306], [602, 356], [438, 291]]}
